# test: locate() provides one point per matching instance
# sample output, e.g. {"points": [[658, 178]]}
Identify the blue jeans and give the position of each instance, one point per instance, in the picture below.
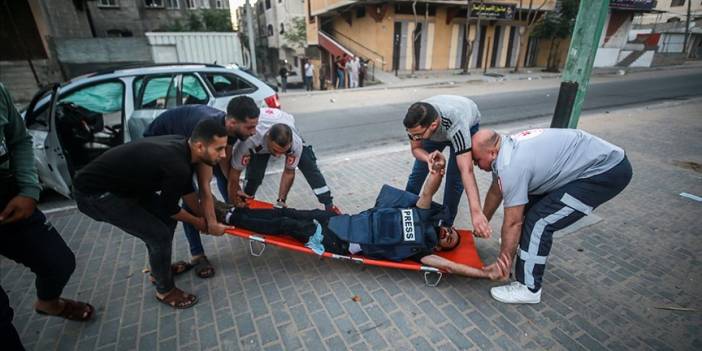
{"points": [[192, 234], [340, 83], [453, 187]]}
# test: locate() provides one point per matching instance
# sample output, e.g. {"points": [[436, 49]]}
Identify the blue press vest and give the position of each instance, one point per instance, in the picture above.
{"points": [[395, 229]]}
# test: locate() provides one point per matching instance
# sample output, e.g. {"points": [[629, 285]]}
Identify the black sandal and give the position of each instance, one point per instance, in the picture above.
{"points": [[203, 268]]}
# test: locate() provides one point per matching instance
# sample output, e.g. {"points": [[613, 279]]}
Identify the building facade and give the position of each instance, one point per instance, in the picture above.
{"points": [[393, 39], [671, 11], [126, 18]]}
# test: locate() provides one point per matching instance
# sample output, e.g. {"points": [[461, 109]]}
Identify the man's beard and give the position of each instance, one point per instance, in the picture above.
{"points": [[241, 136], [210, 163]]}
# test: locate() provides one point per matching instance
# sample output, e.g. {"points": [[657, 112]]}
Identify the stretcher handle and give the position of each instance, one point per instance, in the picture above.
{"points": [[432, 282], [260, 244]]}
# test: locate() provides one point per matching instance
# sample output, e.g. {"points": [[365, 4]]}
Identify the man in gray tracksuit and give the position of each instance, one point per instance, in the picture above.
{"points": [[548, 179]]}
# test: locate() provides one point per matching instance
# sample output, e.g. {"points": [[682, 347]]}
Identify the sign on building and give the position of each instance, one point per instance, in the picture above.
{"points": [[493, 11]]}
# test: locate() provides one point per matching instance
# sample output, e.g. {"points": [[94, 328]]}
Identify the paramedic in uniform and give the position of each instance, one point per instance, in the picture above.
{"points": [[433, 124], [276, 135], [401, 226], [548, 179]]}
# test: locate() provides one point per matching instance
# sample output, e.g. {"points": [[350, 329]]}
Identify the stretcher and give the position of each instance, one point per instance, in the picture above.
{"points": [[466, 253]]}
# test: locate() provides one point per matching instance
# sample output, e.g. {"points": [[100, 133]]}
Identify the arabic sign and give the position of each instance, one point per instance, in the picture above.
{"points": [[493, 11], [632, 4]]}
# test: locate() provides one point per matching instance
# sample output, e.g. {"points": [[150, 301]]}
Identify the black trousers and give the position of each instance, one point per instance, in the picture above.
{"points": [[298, 224], [35, 243], [307, 165], [558, 209], [142, 217]]}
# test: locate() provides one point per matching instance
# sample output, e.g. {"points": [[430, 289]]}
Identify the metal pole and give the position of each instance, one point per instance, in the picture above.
{"points": [[581, 55], [249, 29], [687, 27]]}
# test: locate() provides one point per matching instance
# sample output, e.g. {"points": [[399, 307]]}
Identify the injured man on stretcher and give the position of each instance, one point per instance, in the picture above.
{"points": [[401, 226]]}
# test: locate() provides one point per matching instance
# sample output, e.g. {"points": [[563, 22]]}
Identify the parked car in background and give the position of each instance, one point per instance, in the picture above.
{"points": [[75, 122]]}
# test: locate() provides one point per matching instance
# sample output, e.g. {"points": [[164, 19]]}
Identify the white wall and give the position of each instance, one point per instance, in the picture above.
{"points": [[196, 47]]}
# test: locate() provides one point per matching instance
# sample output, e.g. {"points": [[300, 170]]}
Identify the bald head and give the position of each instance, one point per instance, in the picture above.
{"points": [[485, 138], [486, 145]]}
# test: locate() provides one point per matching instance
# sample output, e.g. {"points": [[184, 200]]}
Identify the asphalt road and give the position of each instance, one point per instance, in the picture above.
{"points": [[333, 131]]}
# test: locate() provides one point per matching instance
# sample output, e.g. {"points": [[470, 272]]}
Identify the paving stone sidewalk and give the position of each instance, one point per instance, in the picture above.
{"points": [[605, 287]]}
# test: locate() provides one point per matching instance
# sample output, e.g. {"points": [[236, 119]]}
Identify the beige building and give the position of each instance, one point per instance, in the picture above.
{"points": [[382, 32]]}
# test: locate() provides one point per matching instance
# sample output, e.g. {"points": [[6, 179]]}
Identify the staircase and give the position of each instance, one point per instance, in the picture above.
{"points": [[338, 44]]}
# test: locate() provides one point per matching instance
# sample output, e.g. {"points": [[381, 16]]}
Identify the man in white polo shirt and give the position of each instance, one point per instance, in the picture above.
{"points": [[276, 135], [548, 179]]}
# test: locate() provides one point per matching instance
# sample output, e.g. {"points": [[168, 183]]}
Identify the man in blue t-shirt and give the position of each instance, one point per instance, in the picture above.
{"points": [[240, 121]]}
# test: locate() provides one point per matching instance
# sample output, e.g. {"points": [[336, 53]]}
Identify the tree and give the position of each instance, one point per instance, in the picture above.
{"points": [[557, 26], [193, 23], [211, 20], [417, 32], [297, 33], [470, 43], [532, 18], [217, 20]]}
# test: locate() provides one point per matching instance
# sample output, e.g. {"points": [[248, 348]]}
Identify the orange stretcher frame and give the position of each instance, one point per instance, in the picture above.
{"points": [[466, 253]]}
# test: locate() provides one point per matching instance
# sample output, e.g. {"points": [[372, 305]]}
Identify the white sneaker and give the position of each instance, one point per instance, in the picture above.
{"points": [[515, 293]]}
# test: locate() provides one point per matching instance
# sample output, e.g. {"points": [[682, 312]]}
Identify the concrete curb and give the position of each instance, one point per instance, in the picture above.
{"points": [[450, 79]]}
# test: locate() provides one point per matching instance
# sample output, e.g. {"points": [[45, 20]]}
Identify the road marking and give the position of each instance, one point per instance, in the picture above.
{"points": [[690, 196]]}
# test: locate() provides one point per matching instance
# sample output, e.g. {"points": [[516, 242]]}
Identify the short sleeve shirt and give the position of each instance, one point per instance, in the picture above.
{"points": [[538, 161], [182, 121], [243, 150], [458, 115]]}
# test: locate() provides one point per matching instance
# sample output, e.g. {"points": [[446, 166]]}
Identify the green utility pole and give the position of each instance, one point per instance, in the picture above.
{"points": [[581, 55]]}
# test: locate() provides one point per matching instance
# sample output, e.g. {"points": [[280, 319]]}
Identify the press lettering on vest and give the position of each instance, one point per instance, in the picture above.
{"points": [[408, 225]]}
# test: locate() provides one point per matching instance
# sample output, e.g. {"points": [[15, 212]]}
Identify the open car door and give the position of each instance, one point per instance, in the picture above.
{"points": [[56, 175]]}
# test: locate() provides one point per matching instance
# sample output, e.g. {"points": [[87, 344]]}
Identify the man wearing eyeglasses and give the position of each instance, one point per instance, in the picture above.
{"points": [[433, 124]]}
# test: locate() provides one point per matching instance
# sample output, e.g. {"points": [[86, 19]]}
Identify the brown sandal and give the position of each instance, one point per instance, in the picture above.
{"points": [[73, 310], [178, 299], [203, 268]]}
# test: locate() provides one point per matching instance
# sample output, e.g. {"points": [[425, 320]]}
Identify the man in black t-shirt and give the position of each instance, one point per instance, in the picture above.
{"points": [[137, 187], [240, 120]]}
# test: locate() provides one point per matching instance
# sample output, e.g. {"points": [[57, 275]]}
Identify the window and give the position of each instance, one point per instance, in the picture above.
{"points": [[157, 93], [268, 4], [270, 30], [192, 91], [360, 12], [153, 3], [282, 28], [108, 3], [677, 3], [227, 84], [39, 118], [89, 121], [190, 4], [173, 4], [221, 4]]}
